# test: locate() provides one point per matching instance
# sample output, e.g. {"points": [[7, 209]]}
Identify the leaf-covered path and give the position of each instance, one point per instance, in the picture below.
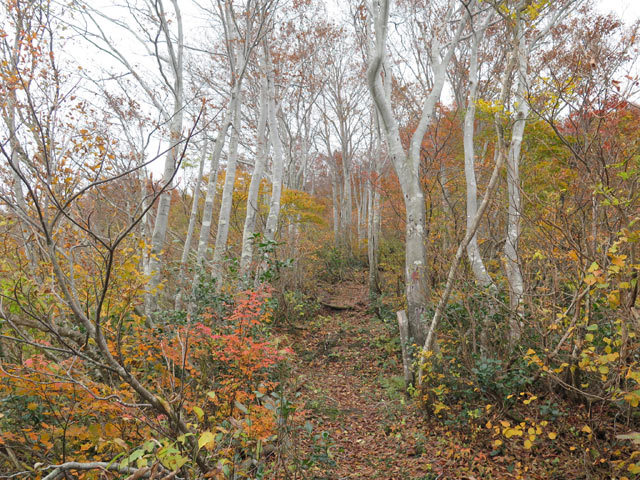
{"points": [[348, 378]]}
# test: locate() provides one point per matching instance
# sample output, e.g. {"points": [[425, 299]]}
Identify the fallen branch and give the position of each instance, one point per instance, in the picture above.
{"points": [[59, 470]]}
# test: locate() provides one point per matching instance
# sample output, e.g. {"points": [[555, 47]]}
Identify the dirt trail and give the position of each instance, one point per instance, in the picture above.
{"points": [[351, 388]]}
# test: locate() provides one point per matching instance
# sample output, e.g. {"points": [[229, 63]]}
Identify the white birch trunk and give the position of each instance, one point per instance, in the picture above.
{"points": [[207, 213], [373, 229], [186, 249], [254, 187], [480, 273], [224, 216], [407, 166], [511, 246], [278, 158], [175, 133]]}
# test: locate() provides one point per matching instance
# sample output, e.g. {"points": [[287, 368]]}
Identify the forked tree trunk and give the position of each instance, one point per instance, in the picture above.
{"points": [[407, 164]]}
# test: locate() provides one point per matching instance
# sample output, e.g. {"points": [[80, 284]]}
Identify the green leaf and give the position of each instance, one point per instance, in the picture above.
{"points": [[241, 407], [136, 455]]}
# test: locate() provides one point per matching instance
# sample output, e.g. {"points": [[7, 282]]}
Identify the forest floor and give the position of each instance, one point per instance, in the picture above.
{"points": [[348, 376]]}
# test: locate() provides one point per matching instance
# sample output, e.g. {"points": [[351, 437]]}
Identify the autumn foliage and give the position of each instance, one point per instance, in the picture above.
{"points": [[217, 371]]}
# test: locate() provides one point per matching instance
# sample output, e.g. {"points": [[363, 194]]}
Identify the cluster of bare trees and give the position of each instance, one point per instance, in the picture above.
{"points": [[251, 112]]}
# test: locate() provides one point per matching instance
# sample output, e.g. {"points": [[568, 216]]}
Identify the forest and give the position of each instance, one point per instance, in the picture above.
{"points": [[319, 239]]}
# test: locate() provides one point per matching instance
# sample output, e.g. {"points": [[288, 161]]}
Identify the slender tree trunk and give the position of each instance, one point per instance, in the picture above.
{"points": [[145, 223], [175, 133], [186, 249], [278, 158], [207, 213], [473, 251], [336, 209], [162, 216], [447, 207], [362, 202], [511, 246], [347, 204], [227, 195], [256, 178], [373, 233]]}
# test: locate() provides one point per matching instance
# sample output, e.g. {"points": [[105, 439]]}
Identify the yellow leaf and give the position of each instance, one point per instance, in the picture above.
{"points": [[528, 444], [586, 429], [633, 398], [205, 439], [198, 411], [553, 435], [618, 260], [439, 407], [510, 432]]}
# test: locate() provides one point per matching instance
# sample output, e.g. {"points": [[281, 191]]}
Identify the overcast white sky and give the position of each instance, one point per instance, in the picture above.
{"points": [[628, 10]]}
